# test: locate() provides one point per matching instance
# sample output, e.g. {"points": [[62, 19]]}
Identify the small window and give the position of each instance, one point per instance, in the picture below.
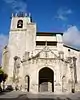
{"points": [[69, 50], [20, 24]]}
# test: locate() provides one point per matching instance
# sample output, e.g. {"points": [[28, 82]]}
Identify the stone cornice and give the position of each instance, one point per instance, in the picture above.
{"points": [[18, 30]]}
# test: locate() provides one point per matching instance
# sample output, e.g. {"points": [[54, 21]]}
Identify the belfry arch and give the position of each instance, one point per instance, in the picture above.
{"points": [[46, 80]]}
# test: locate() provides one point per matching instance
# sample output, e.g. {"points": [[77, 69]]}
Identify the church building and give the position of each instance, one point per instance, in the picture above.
{"points": [[39, 61]]}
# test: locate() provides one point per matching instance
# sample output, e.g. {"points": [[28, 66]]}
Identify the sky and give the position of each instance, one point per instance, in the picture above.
{"points": [[50, 16]]}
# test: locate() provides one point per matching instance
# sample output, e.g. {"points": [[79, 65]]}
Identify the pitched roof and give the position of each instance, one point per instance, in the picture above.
{"points": [[71, 47]]}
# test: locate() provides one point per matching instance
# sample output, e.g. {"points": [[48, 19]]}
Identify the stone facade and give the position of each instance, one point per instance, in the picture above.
{"points": [[39, 61]]}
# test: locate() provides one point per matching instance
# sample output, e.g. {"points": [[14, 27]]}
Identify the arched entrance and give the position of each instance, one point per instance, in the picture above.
{"points": [[46, 80], [27, 81]]}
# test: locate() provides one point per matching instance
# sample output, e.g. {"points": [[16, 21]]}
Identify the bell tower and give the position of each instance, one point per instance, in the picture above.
{"points": [[22, 37], [20, 19], [22, 33]]}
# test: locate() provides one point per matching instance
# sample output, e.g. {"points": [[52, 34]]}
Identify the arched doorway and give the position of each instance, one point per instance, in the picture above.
{"points": [[27, 81], [46, 80]]}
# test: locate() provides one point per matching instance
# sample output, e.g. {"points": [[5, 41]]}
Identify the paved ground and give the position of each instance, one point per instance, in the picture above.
{"points": [[52, 96], [13, 94], [18, 95]]}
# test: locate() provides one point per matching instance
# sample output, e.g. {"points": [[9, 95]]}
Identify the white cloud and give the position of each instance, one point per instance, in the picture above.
{"points": [[17, 5], [62, 14], [3, 42], [61, 17], [69, 11], [72, 36]]}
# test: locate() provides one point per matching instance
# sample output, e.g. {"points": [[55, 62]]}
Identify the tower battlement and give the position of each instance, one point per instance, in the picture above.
{"points": [[19, 20], [21, 14]]}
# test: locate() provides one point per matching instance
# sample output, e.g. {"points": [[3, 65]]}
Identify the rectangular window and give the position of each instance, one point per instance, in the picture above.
{"points": [[51, 43], [38, 43], [45, 34], [48, 43]]}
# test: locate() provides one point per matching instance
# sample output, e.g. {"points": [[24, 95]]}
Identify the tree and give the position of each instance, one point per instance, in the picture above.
{"points": [[3, 77]]}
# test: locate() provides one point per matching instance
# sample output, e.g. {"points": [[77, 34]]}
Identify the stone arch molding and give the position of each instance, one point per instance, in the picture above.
{"points": [[46, 82], [48, 66]]}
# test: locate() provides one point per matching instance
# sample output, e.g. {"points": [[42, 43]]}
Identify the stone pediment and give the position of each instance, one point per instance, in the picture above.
{"points": [[49, 54], [46, 52]]}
